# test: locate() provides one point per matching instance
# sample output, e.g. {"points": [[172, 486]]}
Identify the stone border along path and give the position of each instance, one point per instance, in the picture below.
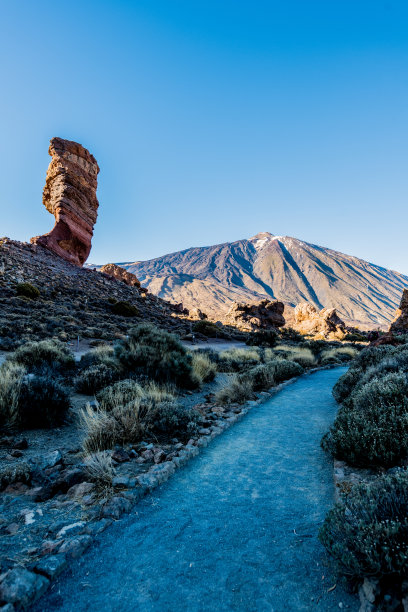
{"points": [[234, 530]]}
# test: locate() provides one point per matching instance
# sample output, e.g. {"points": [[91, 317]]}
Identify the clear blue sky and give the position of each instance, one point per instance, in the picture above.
{"points": [[212, 120]]}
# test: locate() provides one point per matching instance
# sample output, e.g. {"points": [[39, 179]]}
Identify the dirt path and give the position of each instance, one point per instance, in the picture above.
{"points": [[234, 530]]}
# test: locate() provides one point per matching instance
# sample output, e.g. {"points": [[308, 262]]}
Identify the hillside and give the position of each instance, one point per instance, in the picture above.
{"points": [[276, 267]]}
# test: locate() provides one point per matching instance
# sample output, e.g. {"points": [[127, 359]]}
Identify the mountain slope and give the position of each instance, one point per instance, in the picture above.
{"points": [[275, 267]]}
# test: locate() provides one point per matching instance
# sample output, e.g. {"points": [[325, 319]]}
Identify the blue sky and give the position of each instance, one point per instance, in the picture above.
{"points": [[212, 120]]}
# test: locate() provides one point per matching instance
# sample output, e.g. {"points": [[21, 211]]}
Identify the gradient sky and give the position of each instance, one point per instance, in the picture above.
{"points": [[212, 120]]}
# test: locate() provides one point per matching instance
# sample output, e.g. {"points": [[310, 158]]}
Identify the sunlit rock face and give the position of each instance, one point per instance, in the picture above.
{"points": [[400, 322], [70, 195], [309, 320], [120, 274], [253, 317]]}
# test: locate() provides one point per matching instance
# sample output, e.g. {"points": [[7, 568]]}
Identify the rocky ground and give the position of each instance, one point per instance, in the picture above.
{"points": [[73, 301]]}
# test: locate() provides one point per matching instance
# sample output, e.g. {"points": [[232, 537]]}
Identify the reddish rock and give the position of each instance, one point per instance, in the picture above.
{"points": [[256, 316], [70, 195], [120, 274], [400, 323], [326, 322]]}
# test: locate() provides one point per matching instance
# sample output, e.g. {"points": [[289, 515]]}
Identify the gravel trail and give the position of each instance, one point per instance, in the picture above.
{"points": [[236, 529]]}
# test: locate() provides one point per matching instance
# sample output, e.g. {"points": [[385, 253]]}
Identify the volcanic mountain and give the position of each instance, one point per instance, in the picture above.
{"points": [[278, 268]]}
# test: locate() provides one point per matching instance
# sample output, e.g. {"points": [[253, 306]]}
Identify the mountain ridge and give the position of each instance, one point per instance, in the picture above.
{"points": [[274, 267]]}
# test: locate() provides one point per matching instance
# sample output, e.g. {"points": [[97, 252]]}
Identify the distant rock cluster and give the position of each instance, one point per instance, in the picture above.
{"points": [[256, 316], [326, 322], [70, 195], [120, 274], [400, 323]]}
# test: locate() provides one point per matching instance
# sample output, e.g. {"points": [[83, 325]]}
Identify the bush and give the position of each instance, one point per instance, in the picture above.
{"points": [[372, 427], [301, 355], [207, 328], [260, 378], [11, 379], [94, 378], [238, 359], [42, 402], [124, 309], [237, 391], [101, 472], [368, 534], [284, 370], [264, 337], [173, 419], [338, 354], [204, 370], [28, 290], [49, 353], [15, 473], [126, 391], [346, 383], [157, 354], [101, 355], [290, 334]]}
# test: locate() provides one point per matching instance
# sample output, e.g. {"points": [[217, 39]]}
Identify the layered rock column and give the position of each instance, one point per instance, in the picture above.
{"points": [[70, 195]]}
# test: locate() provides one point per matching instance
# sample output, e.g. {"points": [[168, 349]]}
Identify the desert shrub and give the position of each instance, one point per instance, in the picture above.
{"points": [[100, 471], [204, 370], [124, 309], [284, 370], [158, 354], [290, 334], [50, 353], [171, 418], [123, 424], [126, 391], [100, 355], [42, 402], [368, 534], [235, 392], [301, 355], [11, 380], [371, 356], [28, 290], [21, 472], [338, 354], [94, 378], [237, 359], [260, 378], [372, 428], [346, 383], [264, 337], [207, 328]]}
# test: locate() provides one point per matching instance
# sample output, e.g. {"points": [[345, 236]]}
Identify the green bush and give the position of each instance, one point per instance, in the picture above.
{"points": [[236, 391], [124, 309], [94, 378], [120, 394], [372, 427], [265, 338], [346, 383], [261, 377], [42, 402], [207, 328], [172, 419], [28, 290], [158, 354], [368, 534], [284, 369], [50, 353], [101, 355]]}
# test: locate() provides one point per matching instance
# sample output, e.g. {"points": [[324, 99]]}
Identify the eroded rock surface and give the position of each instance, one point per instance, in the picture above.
{"points": [[70, 195], [326, 322], [400, 322], [252, 317], [120, 274]]}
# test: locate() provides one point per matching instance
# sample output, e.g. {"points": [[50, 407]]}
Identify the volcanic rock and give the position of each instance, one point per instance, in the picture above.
{"points": [[120, 274], [256, 316], [70, 195], [326, 322], [400, 323]]}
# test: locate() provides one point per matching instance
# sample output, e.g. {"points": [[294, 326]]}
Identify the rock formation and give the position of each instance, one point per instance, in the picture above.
{"points": [[70, 195], [253, 317], [120, 274], [326, 322], [400, 323]]}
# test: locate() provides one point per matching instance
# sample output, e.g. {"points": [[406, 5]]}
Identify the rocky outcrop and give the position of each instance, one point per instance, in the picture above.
{"points": [[326, 322], [253, 317], [120, 274], [400, 323], [70, 195]]}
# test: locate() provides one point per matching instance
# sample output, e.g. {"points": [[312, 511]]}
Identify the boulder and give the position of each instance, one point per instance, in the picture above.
{"points": [[256, 316], [399, 324], [22, 587], [120, 274], [70, 195], [326, 322]]}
